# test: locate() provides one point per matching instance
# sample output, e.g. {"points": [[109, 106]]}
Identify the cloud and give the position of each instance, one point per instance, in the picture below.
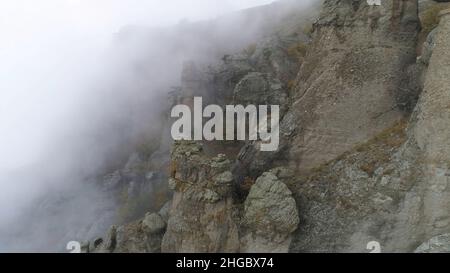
{"points": [[69, 96]]}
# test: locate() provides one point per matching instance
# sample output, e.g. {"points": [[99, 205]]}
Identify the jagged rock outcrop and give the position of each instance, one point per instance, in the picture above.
{"points": [[354, 199], [438, 244], [350, 84], [144, 236], [394, 189], [362, 158], [261, 89], [202, 213], [431, 133], [137, 188], [206, 217], [270, 216]]}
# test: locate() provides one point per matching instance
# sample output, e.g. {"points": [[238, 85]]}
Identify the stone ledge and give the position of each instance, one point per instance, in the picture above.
{"points": [[444, 12]]}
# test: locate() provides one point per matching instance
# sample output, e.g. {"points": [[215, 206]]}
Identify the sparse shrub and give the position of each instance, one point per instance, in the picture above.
{"points": [[172, 169], [247, 184], [146, 149], [392, 137], [368, 168], [308, 29], [291, 84], [250, 50], [297, 51], [379, 148]]}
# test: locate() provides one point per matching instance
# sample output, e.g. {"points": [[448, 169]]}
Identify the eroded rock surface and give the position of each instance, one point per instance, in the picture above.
{"points": [[365, 144], [202, 212], [270, 216], [347, 88]]}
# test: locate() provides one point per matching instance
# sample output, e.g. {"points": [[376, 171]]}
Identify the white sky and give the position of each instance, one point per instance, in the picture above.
{"points": [[46, 47], [21, 18]]}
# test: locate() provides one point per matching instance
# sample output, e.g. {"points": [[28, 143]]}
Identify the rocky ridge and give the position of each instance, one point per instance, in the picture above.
{"points": [[364, 144]]}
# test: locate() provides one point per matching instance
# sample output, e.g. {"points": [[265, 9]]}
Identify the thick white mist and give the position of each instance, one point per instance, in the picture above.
{"points": [[72, 94], [51, 52], [50, 48]]}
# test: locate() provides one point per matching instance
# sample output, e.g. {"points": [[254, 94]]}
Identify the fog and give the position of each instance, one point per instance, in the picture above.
{"points": [[79, 82]]}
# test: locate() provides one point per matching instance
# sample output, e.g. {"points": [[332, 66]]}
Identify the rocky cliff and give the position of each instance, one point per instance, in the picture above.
{"points": [[364, 151]]}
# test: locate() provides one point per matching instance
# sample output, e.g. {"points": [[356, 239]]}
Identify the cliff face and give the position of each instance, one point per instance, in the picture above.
{"points": [[364, 152], [430, 129], [392, 189], [352, 83]]}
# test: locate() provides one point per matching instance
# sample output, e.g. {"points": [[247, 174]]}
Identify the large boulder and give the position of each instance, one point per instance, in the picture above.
{"points": [[270, 216]]}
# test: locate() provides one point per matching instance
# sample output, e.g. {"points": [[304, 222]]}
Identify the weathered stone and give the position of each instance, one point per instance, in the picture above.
{"points": [[165, 210], [224, 178], [346, 88], [428, 48], [438, 244], [354, 162], [260, 89], [201, 217], [270, 216], [153, 223]]}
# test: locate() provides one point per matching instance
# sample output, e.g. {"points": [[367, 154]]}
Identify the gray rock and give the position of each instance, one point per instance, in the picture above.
{"points": [[345, 89], [224, 178], [438, 244], [210, 196], [357, 169], [201, 218], [165, 210], [172, 183], [270, 216], [260, 89], [137, 237], [270, 205], [428, 47], [153, 223]]}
